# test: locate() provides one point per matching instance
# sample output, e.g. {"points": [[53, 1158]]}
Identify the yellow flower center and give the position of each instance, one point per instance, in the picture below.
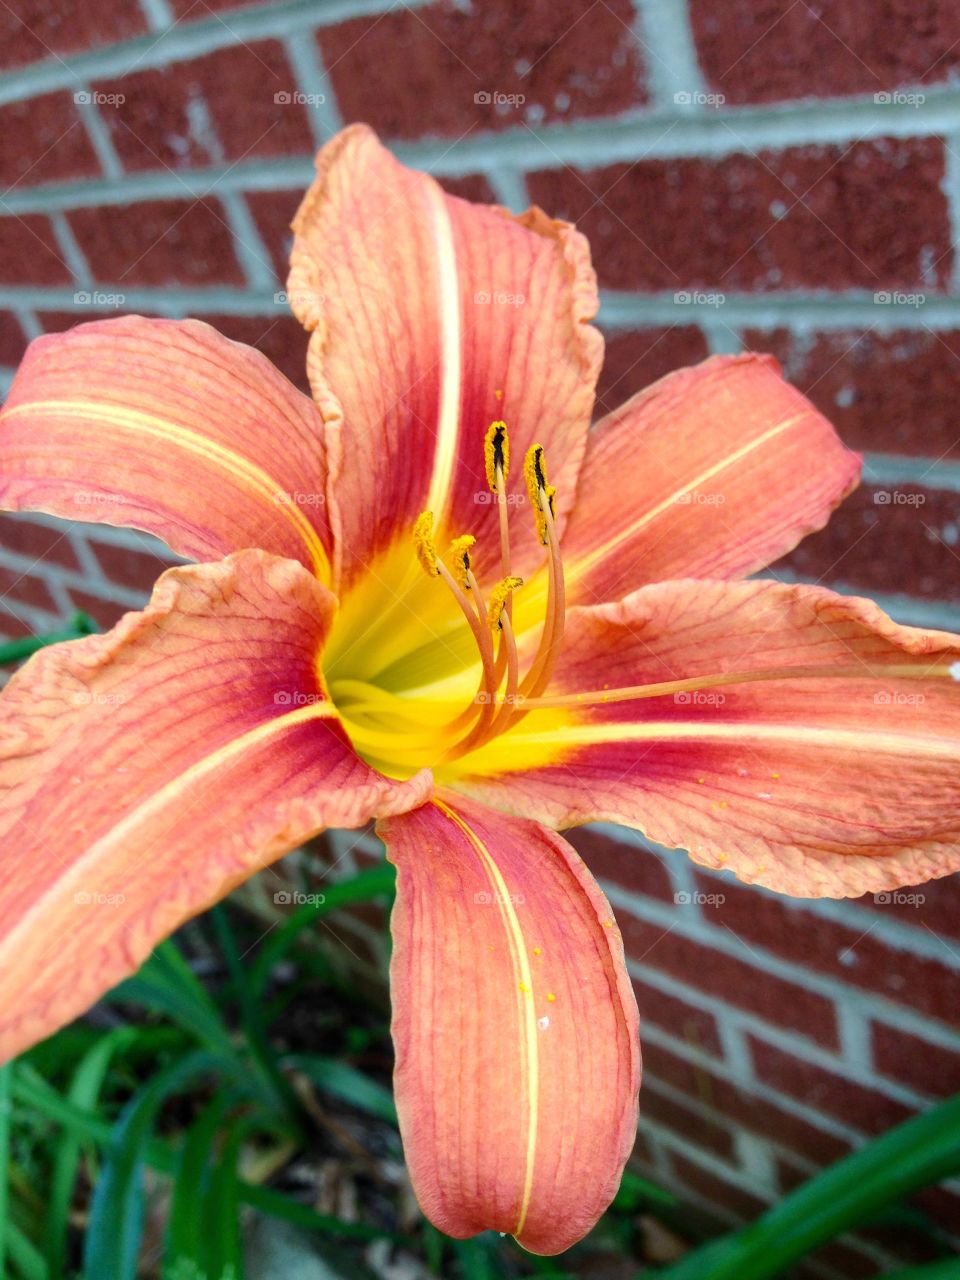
{"points": [[419, 683]]}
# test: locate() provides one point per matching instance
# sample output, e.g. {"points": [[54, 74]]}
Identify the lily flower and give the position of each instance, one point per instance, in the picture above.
{"points": [[430, 596]]}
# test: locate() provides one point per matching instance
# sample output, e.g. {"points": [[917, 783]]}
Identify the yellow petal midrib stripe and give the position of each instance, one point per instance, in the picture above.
{"points": [[165, 796], [598, 732], [524, 995], [242, 469], [576, 568]]}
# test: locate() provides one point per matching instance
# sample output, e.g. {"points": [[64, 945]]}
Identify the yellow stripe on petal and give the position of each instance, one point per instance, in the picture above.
{"points": [[448, 318], [526, 1010], [237, 467]]}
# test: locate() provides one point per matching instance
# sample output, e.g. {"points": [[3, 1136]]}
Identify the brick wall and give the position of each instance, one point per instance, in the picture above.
{"points": [[780, 176]]}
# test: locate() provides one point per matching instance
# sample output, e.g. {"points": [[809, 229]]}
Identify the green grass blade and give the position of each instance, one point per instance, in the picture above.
{"points": [[947, 1269], [84, 1092], [6, 1085], [117, 1211], [165, 983], [16, 650], [25, 1256], [376, 882], [222, 1211], [915, 1154], [186, 1241], [342, 1081]]}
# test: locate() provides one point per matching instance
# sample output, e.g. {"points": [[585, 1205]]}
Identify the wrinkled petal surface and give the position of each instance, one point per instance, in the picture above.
{"points": [[835, 771], [146, 772], [515, 1027], [431, 318], [712, 472], [167, 426]]}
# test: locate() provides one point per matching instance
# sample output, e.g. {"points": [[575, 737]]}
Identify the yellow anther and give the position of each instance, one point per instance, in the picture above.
{"points": [[423, 543], [496, 453], [540, 492], [498, 598], [458, 558]]}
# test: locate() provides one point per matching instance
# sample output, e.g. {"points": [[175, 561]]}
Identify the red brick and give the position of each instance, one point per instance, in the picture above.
{"points": [[928, 1068], [29, 253], [694, 1026], [942, 1205], [13, 341], [273, 212], [158, 242], [853, 1104], [195, 10], [857, 956], [281, 338], [871, 215], [471, 186], [888, 538], [43, 140], [637, 870], [105, 613], [733, 1103], [38, 30], [777, 49], [843, 1257], [633, 360], [681, 1119], [431, 62], [38, 541], [934, 905], [886, 392], [737, 983], [25, 588], [155, 125], [127, 567], [740, 1203], [13, 627]]}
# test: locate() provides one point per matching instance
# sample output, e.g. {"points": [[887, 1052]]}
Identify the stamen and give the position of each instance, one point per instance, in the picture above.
{"points": [[542, 495], [458, 557], [496, 453], [424, 544], [498, 600], [539, 491]]}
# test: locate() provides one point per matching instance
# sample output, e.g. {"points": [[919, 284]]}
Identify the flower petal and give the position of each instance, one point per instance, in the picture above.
{"points": [[146, 772], [431, 318], [170, 427], [824, 760], [515, 1027], [712, 472]]}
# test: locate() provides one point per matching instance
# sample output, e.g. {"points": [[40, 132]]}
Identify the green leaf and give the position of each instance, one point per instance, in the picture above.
{"points": [[25, 1255], [16, 650], [6, 1086], [223, 1211], [376, 882], [921, 1151], [117, 1209], [345, 1082], [277, 1205], [185, 1242], [948, 1269], [165, 983], [84, 1092]]}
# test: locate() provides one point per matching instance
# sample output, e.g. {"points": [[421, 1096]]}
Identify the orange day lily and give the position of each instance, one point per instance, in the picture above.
{"points": [[428, 596]]}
